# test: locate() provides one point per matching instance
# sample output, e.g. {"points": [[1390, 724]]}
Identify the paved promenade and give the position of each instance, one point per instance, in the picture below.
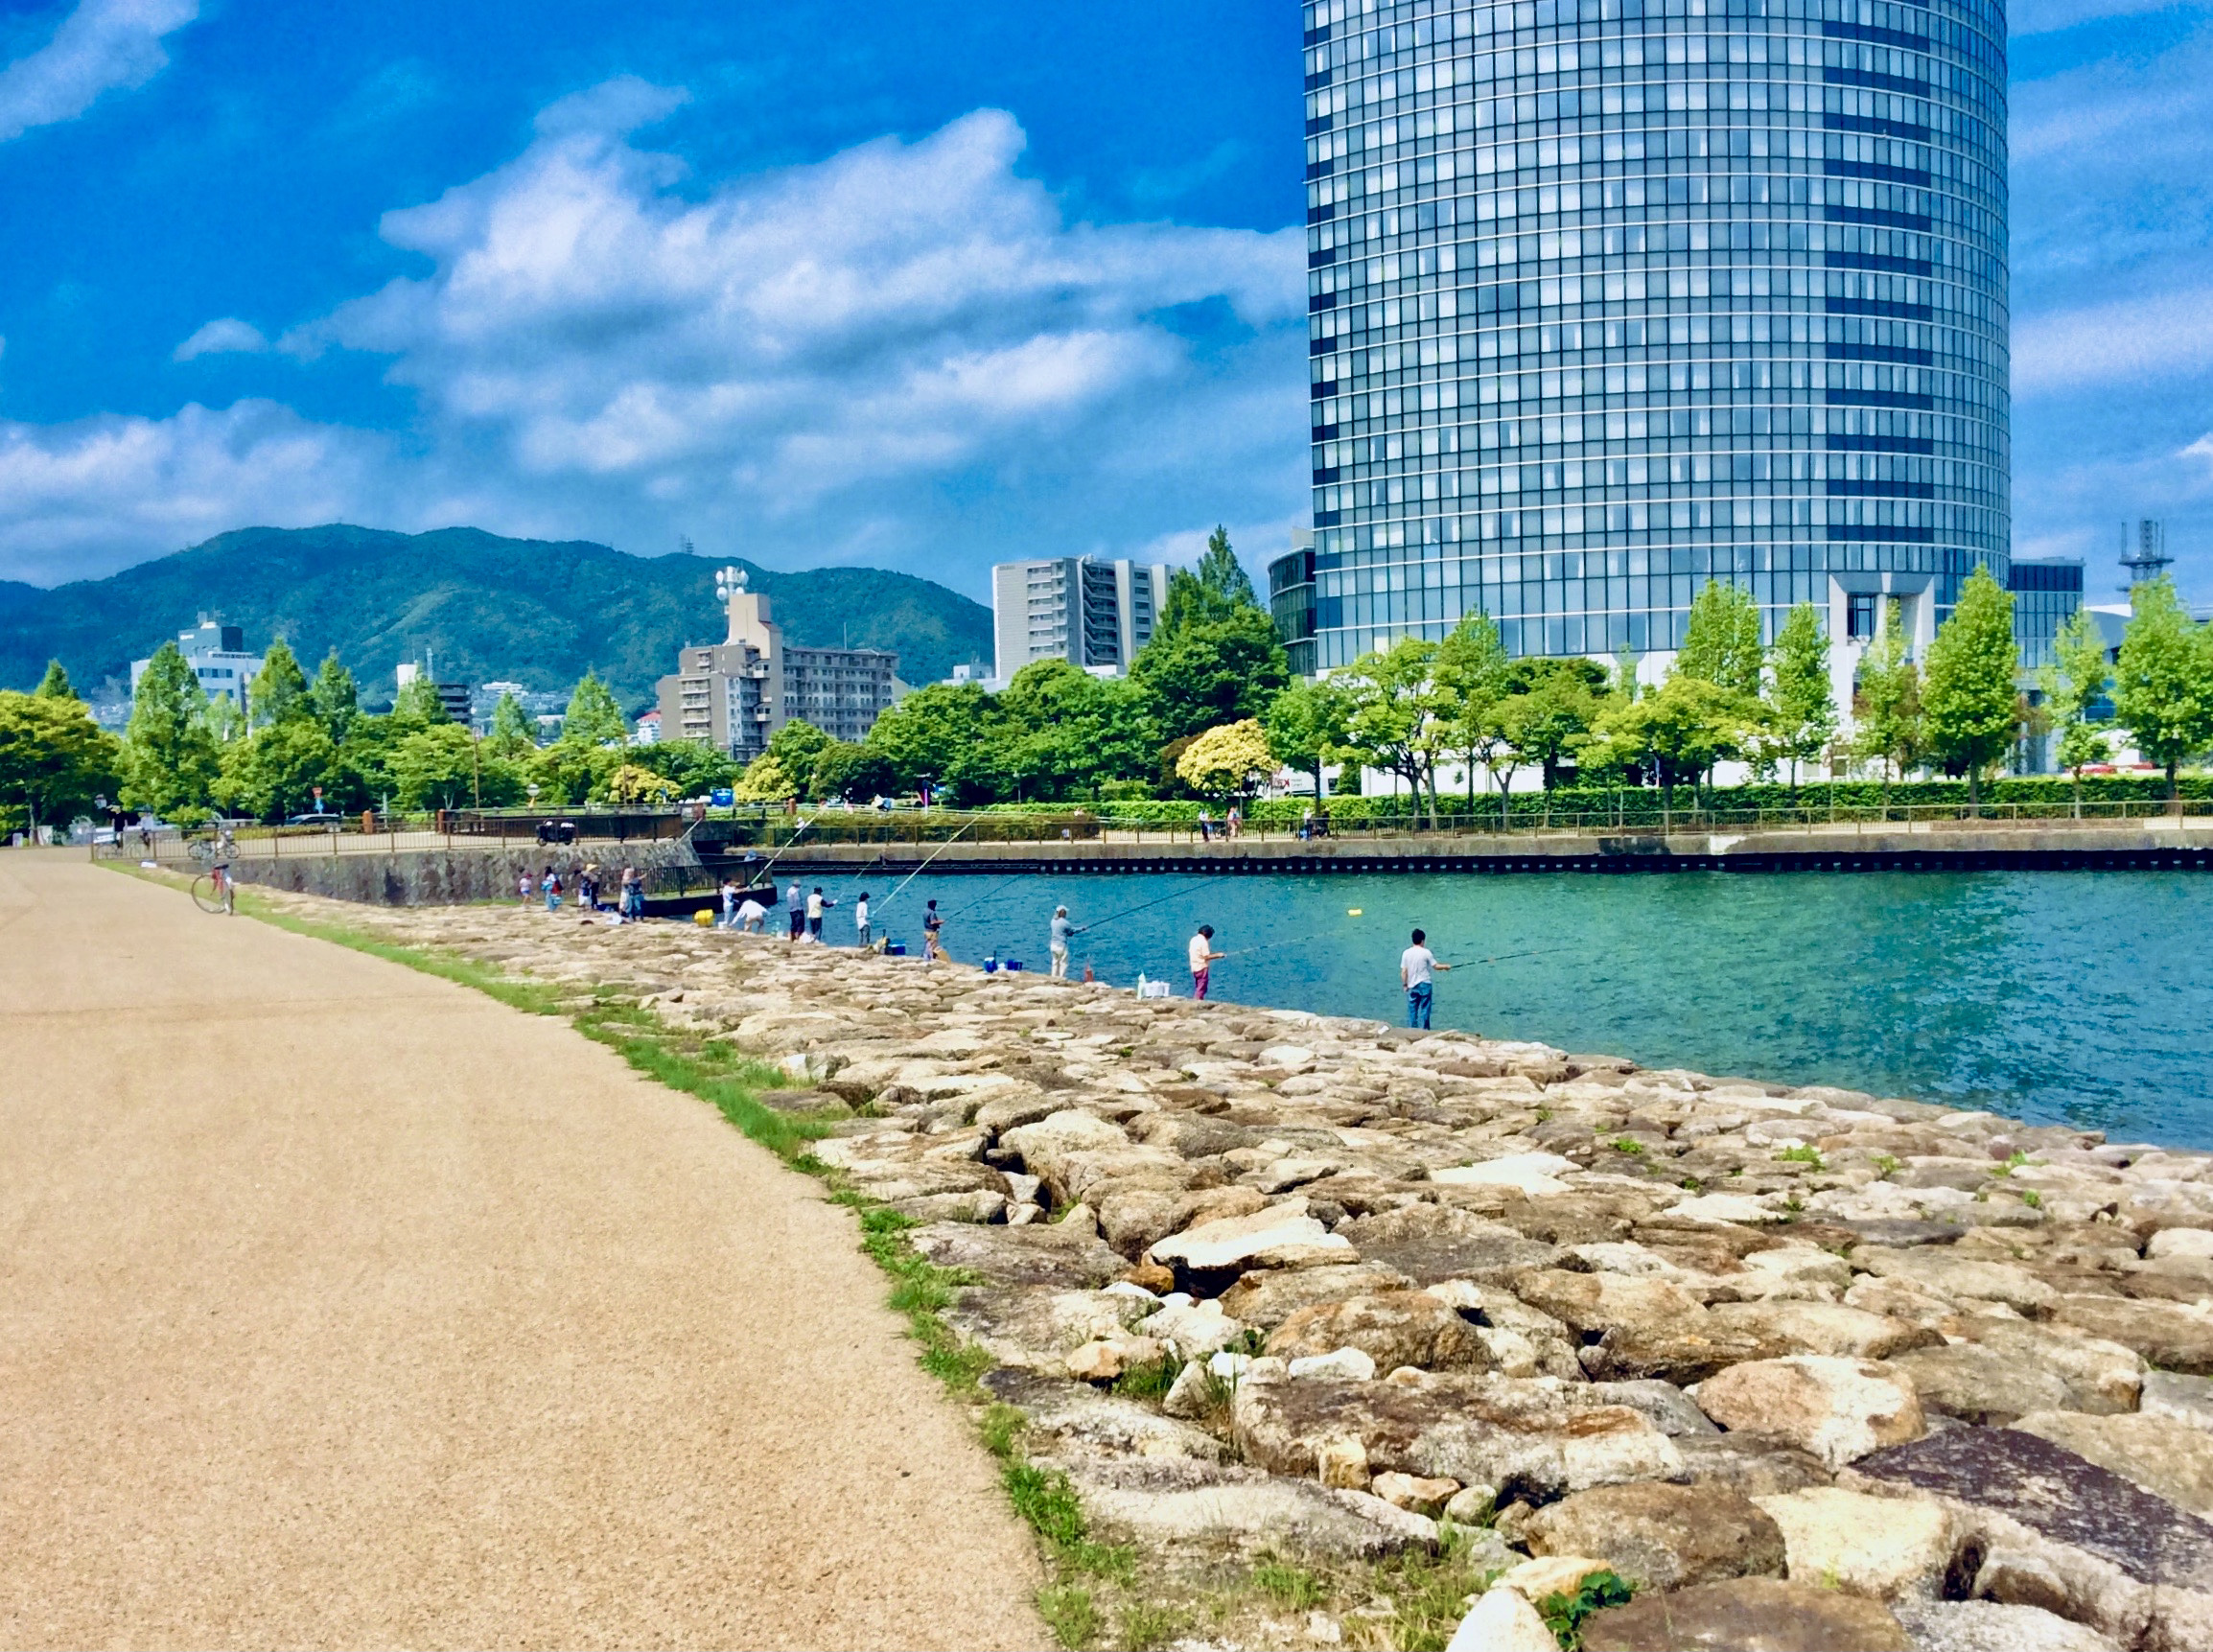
{"points": [[341, 1306]]}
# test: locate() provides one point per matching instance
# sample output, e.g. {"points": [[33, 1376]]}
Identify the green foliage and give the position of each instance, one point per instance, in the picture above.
{"points": [[845, 770], [1147, 1626], [1803, 1154], [1210, 671], [931, 733], [567, 772], [418, 706], [2163, 683], [1428, 1589], [1070, 1613], [1472, 676], [1151, 1379], [1564, 1615], [436, 768], [54, 759], [514, 734], [593, 717], [1677, 732], [55, 685], [1804, 719], [1228, 762], [335, 699], [1293, 1587], [766, 781], [273, 772], [1212, 591], [1396, 717], [1970, 698], [632, 784], [1553, 707], [279, 691], [168, 763], [1305, 723], [1886, 704], [1721, 641], [2073, 682]]}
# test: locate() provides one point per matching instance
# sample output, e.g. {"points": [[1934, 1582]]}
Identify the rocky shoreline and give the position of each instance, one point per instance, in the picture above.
{"points": [[1803, 1367]]}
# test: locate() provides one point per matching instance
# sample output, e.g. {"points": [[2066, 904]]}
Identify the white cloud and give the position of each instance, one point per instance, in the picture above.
{"points": [[904, 354], [2045, 16], [101, 46], [78, 500], [226, 335], [2166, 336]]}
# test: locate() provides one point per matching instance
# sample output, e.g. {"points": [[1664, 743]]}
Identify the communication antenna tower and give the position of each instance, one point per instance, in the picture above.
{"points": [[2149, 560]]}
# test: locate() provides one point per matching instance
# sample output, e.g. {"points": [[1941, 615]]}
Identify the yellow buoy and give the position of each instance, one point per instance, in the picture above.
{"points": [[704, 918], [1352, 911]]}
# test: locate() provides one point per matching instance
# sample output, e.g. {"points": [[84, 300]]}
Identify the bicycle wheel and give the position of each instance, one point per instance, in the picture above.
{"points": [[206, 893]]}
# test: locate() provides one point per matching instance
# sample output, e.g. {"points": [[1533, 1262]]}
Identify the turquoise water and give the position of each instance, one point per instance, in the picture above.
{"points": [[2076, 997]]}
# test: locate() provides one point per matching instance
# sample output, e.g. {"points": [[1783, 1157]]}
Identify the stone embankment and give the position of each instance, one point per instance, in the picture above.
{"points": [[1806, 1367]]}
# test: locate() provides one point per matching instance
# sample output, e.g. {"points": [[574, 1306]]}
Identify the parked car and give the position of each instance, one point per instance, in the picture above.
{"points": [[328, 822], [557, 831]]}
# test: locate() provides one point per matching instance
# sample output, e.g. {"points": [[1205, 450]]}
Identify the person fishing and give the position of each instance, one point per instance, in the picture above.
{"points": [[795, 909], [1062, 931], [1417, 974], [816, 902], [1202, 959], [861, 920], [933, 935]]}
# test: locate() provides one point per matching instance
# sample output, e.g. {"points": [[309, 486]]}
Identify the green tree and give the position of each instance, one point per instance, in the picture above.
{"points": [[437, 768], [418, 706], [1211, 671], [569, 771], [847, 769], [795, 746], [1305, 723], [333, 699], [514, 734], [2163, 683], [1209, 592], [279, 689], [2073, 683], [273, 773], [931, 733], [1886, 706], [54, 759], [766, 781], [1676, 732], [631, 784], [1394, 719], [169, 761], [1232, 760], [1058, 732], [1721, 641], [594, 716], [55, 685], [1472, 676], [1969, 696], [1554, 704], [1804, 710], [693, 767]]}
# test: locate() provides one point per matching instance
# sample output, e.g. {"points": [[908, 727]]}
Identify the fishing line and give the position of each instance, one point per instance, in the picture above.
{"points": [[1147, 906], [970, 906], [924, 867]]}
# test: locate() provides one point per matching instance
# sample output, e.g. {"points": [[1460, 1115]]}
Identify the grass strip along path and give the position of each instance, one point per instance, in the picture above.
{"points": [[339, 1308]]}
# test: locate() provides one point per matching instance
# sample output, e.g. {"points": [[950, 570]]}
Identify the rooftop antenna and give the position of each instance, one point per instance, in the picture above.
{"points": [[2150, 560]]}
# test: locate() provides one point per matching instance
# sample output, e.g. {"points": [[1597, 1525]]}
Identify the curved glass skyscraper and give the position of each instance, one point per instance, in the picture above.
{"points": [[1612, 297]]}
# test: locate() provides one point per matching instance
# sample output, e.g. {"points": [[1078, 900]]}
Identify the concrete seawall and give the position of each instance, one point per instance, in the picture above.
{"points": [[445, 878], [2164, 842]]}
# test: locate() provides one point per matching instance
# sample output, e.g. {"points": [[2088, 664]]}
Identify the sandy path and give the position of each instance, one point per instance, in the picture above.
{"points": [[339, 1306]]}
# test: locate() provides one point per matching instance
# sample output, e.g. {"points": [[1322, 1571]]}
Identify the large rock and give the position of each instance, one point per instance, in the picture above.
{"points": [[1281, 1236], [1663, 1536], [1533, 1176], [1885, 1547], [1747, 1614], [1072, 1417], [1959, 1277], [1501, 1620], [1033, 1326], [1979, 1384], [1429, 1243], [2100, 1376], [1796, 1327], [2159, 1454], [1520, 1436], [1757, 1464], [1394, 1328], [2185, 1399], [1267, 1298], [2166, 1333], [1194, 1329], [1838, 1409], [1645, 1327], [2057, 1531], [1073, 1149], [1186, 1504], [1989, 1626], [1062, 1255]]}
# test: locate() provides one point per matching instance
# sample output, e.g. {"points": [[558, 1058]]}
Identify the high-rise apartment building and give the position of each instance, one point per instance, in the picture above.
{"points": [[1613, 297], [1093, 614], [737, 694]]}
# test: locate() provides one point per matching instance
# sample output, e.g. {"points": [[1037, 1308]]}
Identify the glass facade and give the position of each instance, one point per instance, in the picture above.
{"points": [[2046, 593], [1612, 297]]}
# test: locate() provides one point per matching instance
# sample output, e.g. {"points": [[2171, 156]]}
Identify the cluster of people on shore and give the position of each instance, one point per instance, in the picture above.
{"points": [[551, 887]]}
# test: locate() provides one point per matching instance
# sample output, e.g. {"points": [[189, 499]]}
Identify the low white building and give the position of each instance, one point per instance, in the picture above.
{"points": [[218, 656]]}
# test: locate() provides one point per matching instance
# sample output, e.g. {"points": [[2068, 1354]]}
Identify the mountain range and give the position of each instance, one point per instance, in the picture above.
{"points": [[479, 607]]}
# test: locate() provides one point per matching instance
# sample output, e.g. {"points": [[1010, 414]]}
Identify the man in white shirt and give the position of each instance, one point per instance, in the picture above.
{"points": [[1417, 967], [861, 920], [1202, 957]]}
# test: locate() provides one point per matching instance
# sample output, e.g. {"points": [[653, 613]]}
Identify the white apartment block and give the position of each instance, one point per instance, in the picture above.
{"points": [[1093, 614]]}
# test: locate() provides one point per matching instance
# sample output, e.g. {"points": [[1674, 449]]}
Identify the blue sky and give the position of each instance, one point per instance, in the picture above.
{"points": [[919, 286]]}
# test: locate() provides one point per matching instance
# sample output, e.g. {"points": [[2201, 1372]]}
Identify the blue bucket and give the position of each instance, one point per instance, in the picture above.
{"points": [[1013, 966], [894, 949], [992, 966]]}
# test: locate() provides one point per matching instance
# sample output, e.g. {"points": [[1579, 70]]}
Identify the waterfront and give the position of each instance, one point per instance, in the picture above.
{"points": [[2075, 997]]}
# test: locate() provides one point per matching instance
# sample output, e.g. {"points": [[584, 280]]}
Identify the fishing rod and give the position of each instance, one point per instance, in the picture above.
{"points": [[788, 842], [924, 867], [1509, 957], [1147, 906], [967, 906]]}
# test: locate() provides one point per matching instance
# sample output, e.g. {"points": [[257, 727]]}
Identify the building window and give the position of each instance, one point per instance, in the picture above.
{"points": [[1859, 616]]}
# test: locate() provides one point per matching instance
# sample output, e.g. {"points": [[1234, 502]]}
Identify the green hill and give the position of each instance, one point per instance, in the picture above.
{"points": [[488, 609]]}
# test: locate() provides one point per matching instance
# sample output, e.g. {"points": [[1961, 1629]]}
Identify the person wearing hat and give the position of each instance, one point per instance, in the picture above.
{"points": [[1063, 932]]}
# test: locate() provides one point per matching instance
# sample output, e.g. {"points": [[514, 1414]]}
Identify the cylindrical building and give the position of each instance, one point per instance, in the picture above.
{"points": [[1611, 298]]}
